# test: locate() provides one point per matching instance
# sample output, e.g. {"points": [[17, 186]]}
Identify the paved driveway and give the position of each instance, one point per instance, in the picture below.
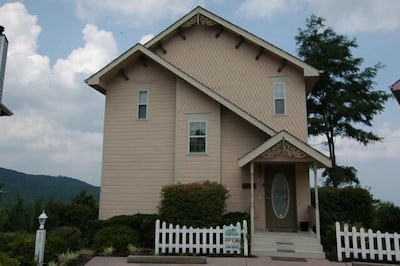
{"points": [[260, 261]]}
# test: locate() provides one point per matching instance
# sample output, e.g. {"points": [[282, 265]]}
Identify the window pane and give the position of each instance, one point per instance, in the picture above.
{"points": [[279, 106], [197, 128], [142, 97], [197, 144], [279, 90], [142, 112]]}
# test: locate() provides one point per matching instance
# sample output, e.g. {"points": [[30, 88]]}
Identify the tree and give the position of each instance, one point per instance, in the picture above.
{"points": [[343, 101]]}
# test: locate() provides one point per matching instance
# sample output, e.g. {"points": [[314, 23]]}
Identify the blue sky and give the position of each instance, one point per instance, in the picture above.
{"points": [[55, 44]]}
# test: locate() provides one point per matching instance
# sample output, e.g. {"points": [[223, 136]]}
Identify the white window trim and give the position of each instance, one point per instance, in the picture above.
{"points": [[139, 104], [277, 98], [189, 136]]}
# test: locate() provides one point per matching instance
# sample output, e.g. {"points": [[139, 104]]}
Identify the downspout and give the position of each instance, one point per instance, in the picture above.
{"points": [[252, 198], [317, 222]]}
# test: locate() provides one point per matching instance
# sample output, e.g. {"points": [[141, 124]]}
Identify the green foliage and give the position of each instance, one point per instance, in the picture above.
{"points": [[338, 175], [387, 217], [343, 102], [77, 214], [22, 248], [234, 217], [18, 217], [350, 205], [142, 223], [55, 244], [71, 236], [116, 236], [195, 204], [6, 260]]}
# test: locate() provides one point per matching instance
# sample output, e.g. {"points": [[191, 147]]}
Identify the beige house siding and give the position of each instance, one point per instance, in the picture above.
{"points": [[238, 76], [193, 105], [237, 138], [138, 156], [302, 192]]}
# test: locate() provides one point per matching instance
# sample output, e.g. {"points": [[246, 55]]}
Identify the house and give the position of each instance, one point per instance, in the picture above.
{"points": [[207, 100], [395, 88], [4, 111]]}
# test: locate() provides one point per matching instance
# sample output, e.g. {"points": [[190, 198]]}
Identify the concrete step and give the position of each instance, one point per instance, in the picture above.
{"points": [[287, 244]]}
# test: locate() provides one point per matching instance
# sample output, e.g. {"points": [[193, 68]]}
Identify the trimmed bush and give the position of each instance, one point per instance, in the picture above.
{"points": [[116, 236], [22, 248], [352, 205], [144, 224], [195, 204]]}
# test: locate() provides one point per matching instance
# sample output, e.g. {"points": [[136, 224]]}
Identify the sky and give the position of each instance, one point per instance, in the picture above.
{"points": [[54, 45]]}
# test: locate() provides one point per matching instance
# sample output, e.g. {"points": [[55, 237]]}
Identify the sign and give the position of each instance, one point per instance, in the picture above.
{"points": [[232, 239]]}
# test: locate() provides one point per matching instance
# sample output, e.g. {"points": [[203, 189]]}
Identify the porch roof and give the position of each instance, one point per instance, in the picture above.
{"points": [[302, 150]]}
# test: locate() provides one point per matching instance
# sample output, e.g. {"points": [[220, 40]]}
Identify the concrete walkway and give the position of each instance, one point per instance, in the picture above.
{"points": [[260, 261]]}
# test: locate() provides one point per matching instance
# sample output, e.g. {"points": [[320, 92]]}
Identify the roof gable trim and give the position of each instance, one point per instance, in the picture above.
{"points": [[301, 149]]}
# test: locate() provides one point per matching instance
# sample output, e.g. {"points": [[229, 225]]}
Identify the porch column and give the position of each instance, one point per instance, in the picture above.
{"points": [[317, 223], [252, 198]]}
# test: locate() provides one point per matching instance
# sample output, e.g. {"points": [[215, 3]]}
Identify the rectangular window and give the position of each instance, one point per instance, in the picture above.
{"points": [[143, 96], [279, 98], [197, 137]]}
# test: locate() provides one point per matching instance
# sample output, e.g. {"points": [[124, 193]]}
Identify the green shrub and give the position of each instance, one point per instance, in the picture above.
{"points": [[7, 260], [195, 204], [142, 223], [116, 236], [55, 244], [387, 218], [22, 248], [234, 217], [71, 236]]}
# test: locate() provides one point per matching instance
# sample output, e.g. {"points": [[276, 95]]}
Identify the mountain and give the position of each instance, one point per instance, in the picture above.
{"points": [[33, 187]]}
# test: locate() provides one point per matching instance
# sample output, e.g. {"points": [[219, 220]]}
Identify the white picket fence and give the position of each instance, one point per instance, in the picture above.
{"points": [[366, 245], [183, 240]]}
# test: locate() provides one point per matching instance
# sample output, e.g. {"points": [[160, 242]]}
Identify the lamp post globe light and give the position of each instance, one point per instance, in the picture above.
{"points": [[42, 220]]}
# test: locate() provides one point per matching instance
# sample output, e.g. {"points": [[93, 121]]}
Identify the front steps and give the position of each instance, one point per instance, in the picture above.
{"points": [[285, 244]]}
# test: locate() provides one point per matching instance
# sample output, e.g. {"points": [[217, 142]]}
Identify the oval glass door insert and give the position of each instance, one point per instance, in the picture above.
{"points": [[280, 196]]}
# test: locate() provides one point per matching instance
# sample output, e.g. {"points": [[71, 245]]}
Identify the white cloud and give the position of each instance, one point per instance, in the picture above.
{"points": [[262, 8], [146, 38], [359, 15], [100, 48], [350, 150], [137, 12], [57, 123], [347, 17]]}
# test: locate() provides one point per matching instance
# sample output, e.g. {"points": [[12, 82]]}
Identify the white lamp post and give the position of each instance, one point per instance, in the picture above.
{"points": [[40, 239]]}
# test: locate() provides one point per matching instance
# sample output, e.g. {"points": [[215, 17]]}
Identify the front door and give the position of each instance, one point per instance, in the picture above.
{"points": [[280, 197]]}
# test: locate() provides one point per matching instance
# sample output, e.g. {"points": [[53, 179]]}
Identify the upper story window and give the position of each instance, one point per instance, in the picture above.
{"points": [[198, 137], [143, 103], [279, 98]]}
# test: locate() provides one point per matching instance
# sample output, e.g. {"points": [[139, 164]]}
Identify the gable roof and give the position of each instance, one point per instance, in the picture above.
{"points": [[395, 88], [321, 159], [196, 15], [138, 51], [4, 111]]}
